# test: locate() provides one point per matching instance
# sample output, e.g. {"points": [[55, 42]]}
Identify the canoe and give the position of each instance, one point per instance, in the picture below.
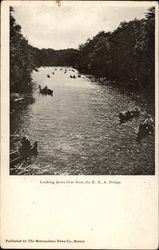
{"points": [[16, 158], [144, 130], [128, 115]]}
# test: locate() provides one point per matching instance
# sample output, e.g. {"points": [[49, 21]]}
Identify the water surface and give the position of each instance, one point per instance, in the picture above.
{"points": [[78, 130]]}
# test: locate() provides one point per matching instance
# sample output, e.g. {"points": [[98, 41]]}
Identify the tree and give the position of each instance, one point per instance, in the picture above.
{"points": [[21, 58], [127, 55]]}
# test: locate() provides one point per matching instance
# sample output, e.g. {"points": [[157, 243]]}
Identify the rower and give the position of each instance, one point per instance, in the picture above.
{"points": [[146, 128], [149, 121], [26, 147]]}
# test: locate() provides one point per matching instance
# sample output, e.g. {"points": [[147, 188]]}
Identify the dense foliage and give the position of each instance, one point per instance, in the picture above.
{"points": [[51, 57], [21, 58], [126, 55]]}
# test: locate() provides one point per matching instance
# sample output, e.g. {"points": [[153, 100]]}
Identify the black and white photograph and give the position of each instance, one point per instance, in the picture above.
{"points": [[82, 89]]}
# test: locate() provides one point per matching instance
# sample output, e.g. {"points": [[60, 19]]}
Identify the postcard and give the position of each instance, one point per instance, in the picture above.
{"points": [[79, 124]]}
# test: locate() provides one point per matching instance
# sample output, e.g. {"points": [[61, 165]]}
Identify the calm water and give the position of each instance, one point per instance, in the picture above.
{"points": [[78, 130]]}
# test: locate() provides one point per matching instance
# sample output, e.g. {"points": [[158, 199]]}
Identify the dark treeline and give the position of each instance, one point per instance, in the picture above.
{"points": [[126, 55], [21, 58], [50, 57]]}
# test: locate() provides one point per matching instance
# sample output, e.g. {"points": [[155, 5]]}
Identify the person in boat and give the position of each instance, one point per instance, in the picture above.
{"points": [[25, 147], [45, 88], [149, 121], [136, 111], [149, 124], [146, 128], [126, 115]]}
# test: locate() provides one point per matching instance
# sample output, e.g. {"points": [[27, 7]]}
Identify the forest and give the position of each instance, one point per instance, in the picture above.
{"points": [[125, 56], [22, 60], [50, 57]]}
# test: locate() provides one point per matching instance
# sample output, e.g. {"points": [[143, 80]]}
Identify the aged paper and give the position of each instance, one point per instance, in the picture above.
{"points": [[70, 195]]}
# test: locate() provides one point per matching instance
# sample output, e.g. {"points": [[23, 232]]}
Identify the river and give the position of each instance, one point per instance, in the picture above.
{"points": [[78, 129]]}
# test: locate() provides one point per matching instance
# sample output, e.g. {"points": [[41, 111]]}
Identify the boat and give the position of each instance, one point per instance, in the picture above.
{"points": [[45, 91], [146, 128], [128, 115], [16, 157]]}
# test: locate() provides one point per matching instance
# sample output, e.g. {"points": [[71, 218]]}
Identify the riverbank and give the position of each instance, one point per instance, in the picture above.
{"points": [[127, 87]]}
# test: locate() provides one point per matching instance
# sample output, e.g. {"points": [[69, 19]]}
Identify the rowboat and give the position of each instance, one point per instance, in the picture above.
{"points": [[45, 91], [128, 115], [16, 157]]}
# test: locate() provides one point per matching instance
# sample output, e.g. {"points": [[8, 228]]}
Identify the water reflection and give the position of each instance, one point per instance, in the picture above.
{"points": [[78, 129]]}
